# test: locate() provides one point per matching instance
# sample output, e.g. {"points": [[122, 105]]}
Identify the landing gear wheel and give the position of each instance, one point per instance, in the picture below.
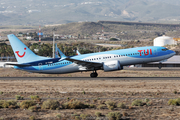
{"points": [[94, 74], [160, 65]]}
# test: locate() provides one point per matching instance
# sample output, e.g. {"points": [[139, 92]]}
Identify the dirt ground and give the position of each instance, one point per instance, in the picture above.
{"points": [[95, 92]]}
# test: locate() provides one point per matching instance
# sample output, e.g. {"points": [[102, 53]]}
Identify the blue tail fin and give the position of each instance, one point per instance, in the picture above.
{"points": [[61, 54], [22, 53]]}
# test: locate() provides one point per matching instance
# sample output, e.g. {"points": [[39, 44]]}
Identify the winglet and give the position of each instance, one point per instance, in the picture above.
{"points": [[77, 52]]}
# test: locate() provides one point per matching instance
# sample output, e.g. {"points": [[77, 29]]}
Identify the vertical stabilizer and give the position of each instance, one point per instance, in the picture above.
{"points": [[61, 54], [22, 53]]}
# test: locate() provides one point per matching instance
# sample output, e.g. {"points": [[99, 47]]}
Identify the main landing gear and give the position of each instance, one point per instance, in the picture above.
{"points": [[94, 74]]}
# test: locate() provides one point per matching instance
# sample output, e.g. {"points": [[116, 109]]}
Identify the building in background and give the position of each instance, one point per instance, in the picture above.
{"points": [[164, 40]]}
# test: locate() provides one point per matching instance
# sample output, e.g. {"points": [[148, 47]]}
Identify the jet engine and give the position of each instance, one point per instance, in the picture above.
{"points": [[112, 66]]}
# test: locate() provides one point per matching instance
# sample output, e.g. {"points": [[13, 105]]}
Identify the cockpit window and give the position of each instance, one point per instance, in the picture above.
{"points": [[165, 49]]}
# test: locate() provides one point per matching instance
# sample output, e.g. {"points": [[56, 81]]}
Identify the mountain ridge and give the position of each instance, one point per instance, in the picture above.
{"points": [[43, 12]]}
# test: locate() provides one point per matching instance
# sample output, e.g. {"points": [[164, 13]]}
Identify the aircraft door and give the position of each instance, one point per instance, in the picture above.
{"points": [[40, 66], [155, 52]]}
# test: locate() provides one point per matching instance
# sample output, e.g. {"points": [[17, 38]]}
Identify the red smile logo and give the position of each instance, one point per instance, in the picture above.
{"points": [[21, 56]]}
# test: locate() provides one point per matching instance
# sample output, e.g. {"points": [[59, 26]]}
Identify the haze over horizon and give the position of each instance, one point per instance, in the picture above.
{"points": [[43, 12]]}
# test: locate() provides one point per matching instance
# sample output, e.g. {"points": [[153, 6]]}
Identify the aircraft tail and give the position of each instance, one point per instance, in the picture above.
{"points": [[61, 54], [57, 50], [22, 53]]}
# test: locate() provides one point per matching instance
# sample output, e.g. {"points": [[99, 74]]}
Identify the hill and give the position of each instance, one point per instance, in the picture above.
{"points": [[38, 12], [124, 31], [76, 28]]}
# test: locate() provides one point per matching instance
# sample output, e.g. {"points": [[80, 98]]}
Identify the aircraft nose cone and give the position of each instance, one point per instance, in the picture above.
{"points": [[174, 52]]}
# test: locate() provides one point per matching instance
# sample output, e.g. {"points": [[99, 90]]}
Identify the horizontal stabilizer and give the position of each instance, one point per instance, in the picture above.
{"points": [[19, 65]]}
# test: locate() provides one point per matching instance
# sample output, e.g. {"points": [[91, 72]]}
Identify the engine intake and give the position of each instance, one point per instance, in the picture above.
{"points": [[111, 66]]}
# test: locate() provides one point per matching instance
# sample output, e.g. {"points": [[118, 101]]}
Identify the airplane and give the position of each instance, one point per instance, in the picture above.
{"points": [[108, 61]]}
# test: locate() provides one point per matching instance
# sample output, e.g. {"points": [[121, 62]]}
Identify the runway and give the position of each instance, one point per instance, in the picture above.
{"points": [[88, 78]]}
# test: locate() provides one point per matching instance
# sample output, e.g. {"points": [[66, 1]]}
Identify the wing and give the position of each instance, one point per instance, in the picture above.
{"points": [[88, 65]]}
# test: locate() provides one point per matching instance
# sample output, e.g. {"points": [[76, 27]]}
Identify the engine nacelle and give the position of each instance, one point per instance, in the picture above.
{"points": [[111, 66]]}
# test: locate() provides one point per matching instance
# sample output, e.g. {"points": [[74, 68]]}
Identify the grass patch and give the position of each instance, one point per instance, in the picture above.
{"points": [[137, 103], [114, 115], [58, 116], [174, 102], [33, 108], [32, 118], [110, 104], [98, 114], [50, 104], [84, 92], [92, 106], [8, 104], [121, 105], [74, 104], [77, 118], [19, 97], [35, 97], [84, 116], [101, 107], [146, 100], [73, 116], [27, 103]]}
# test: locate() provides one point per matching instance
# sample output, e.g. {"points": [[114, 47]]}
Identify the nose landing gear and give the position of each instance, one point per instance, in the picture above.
{"points": [[94, 74]]}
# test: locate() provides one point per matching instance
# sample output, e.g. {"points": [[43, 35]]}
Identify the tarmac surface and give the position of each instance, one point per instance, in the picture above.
{"points": [[88, 78]]}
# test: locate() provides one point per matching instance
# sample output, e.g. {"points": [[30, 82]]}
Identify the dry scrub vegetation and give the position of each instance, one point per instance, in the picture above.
{"points": [[90, 99], [88, 109]]}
